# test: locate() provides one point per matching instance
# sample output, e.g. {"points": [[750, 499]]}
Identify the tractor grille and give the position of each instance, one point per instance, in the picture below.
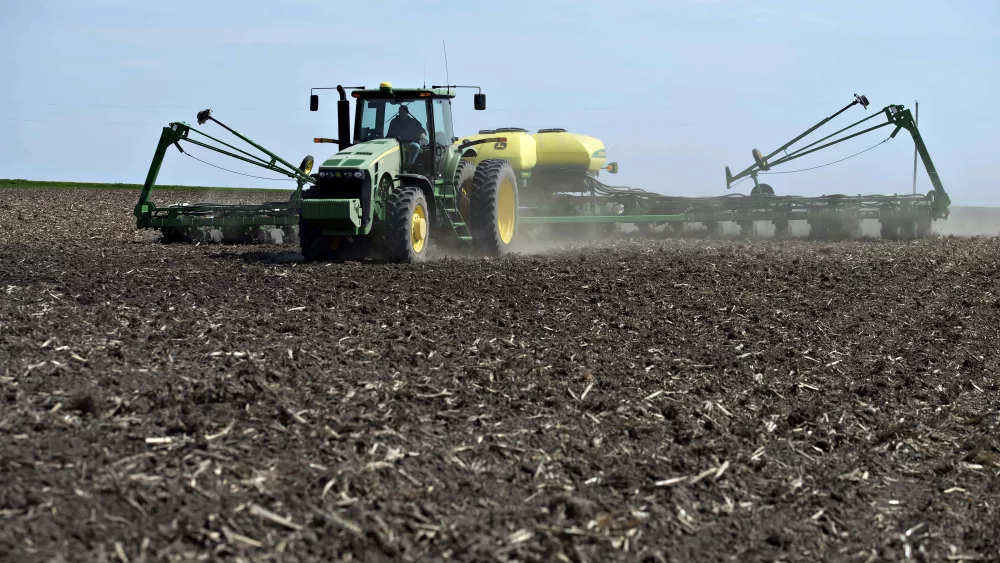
{"points": [[339, 188]]}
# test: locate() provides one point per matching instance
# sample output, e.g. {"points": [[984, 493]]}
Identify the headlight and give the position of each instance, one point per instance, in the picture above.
{"points": [[340, 174]]}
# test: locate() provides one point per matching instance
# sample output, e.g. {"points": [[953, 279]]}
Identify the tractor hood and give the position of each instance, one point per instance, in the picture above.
{"points": [[363, 156]]}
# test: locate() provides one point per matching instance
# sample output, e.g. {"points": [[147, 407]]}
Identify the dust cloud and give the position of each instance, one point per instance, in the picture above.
{"points": [[970, 222]]}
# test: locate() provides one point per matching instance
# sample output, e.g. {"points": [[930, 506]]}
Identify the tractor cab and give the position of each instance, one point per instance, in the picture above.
{"points": [[420, 119]]}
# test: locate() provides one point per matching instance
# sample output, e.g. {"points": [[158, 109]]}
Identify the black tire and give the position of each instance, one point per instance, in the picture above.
{"points": [[236, 235], [889, 229], [400, 243], [493, 185], [780, 229], [174, 236], [318, 247], [852, 228], [819, 229], [305, 167], [307, 163], [763, 189], [923, 227], [908, 228]]}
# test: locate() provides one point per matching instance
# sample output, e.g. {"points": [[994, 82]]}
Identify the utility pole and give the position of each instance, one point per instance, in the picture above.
{"points": [[916, 120]]}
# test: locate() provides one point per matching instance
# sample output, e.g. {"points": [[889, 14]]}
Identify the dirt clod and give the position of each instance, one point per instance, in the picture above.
{"points": [[84, 404]]}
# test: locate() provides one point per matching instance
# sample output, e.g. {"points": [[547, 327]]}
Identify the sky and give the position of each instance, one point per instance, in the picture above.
{"points": [[677, 90]]}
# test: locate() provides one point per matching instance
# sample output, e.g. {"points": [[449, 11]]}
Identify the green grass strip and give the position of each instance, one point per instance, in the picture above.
{"points": [[17, 183]]}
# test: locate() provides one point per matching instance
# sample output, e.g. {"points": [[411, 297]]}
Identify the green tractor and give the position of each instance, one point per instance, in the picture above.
{"points": [[405, 181]]}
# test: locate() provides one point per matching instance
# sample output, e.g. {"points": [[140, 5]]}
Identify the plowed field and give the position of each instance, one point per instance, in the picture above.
{"points": [[668, 400]]}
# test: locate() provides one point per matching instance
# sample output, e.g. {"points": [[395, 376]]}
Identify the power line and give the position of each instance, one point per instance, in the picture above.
{"points": [[500, 109], [829, 163], [233, 171], [78, 122], [739, 182], [129, 106], [658, 107], [130, 123], [691, 124]]}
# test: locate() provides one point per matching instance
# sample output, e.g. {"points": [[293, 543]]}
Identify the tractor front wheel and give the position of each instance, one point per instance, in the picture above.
{"points": [[493, 207], [408, 225]]}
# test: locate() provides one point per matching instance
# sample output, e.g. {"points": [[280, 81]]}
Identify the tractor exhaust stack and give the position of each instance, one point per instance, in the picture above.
{"points": [[343, 114], [343, 119]]}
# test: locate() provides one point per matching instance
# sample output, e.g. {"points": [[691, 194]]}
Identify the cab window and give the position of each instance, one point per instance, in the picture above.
{"points": [[444, 132], [378, 116]]}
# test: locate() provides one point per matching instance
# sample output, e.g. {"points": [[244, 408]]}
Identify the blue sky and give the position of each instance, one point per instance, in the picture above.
{"points": [[676, 90]]}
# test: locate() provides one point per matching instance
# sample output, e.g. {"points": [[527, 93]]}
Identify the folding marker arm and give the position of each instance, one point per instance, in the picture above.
{"points": [[177, 132], [895, 115]]}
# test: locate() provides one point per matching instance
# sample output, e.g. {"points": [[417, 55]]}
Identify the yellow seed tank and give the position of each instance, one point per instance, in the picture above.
{"points": [[519, 149], [548, 148], [561, 149]]}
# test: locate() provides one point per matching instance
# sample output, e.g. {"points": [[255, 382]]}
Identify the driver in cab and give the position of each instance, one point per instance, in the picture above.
{"points": [[409, 131]]}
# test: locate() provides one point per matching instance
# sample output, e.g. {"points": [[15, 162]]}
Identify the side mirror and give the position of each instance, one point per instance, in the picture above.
{"points": [[612, 167], [313, 102], [480, 101]]}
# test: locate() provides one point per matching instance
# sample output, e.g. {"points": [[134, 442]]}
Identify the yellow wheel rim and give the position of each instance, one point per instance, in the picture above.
{"points": [[418, 229], [506, 210]]}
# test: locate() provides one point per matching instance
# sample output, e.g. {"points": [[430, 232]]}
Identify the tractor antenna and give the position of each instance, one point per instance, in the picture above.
{"points": [[425, 72], [446, 75]]}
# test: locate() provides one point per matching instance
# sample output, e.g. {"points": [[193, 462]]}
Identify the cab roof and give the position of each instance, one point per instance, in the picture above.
{"points": [[385, 90]]}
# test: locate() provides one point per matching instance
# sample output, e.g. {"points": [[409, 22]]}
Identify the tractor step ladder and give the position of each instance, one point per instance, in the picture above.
{"points": [[456, 221]]}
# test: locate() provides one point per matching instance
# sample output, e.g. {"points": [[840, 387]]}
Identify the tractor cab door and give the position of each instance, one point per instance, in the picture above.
{"points": [[408, 121], [444, 132]]}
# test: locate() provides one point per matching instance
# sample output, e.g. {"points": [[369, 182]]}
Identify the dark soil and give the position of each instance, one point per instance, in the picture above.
{"points": [[669, 400]]}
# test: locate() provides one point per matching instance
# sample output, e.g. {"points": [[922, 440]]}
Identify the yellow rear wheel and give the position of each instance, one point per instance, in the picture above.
{"points": [[493, 207]]}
